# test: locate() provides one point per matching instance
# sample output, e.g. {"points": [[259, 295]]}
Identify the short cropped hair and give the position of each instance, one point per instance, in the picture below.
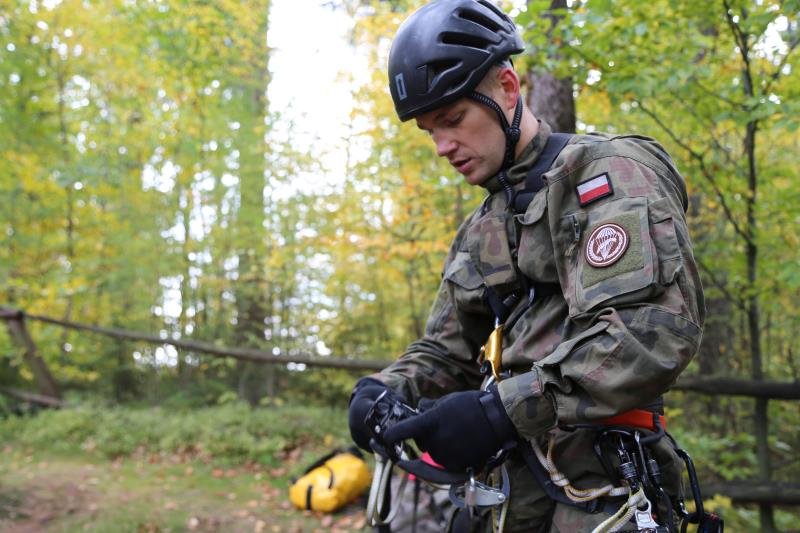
{"points": [[490, 81]]}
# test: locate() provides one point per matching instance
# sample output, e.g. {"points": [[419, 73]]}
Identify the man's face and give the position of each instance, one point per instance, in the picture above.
{"points": [[469, 136]]}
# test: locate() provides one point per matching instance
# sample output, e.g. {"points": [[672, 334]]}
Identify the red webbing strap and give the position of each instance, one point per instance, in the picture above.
{"points": [[638, 418]]}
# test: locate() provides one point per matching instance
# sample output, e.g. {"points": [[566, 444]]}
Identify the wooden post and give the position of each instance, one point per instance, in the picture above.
{"points": [[15, 321]]}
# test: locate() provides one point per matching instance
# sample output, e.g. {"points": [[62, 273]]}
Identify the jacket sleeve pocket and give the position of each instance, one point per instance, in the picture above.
{"points": [[615, 258], [568, 346], [665, 239]]}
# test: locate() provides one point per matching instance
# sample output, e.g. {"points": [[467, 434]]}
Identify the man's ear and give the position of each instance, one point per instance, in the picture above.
{"points": [[509, 84]]}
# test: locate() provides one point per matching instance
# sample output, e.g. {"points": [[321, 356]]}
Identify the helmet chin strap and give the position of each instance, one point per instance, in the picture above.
{"points": [[511, 131]]}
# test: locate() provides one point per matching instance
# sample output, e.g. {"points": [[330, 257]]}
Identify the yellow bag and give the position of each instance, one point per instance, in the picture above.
{"points": [[331, 482]]}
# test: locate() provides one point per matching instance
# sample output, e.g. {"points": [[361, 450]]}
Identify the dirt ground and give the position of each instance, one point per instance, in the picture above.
{"points": [[64, 494]]}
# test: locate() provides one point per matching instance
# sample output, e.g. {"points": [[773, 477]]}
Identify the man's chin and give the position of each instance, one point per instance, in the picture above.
{"points": [[475, 178]]}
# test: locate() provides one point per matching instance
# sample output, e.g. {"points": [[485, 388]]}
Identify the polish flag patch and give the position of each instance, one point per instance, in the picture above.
{"points": [[594, 189]]}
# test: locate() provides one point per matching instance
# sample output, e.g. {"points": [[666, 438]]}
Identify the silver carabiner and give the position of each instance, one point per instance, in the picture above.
{"points": [[644, 518], [473, 493]]}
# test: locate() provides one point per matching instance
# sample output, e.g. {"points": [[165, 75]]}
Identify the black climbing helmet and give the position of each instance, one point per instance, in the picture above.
{"points": [[443, 51]]}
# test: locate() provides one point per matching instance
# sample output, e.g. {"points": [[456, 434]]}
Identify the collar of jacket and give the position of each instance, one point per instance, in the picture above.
{"points": [[519, 168]]}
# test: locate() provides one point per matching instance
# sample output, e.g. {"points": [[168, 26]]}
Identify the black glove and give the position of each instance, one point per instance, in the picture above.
{"points": [[460, 430], [364, 395]]}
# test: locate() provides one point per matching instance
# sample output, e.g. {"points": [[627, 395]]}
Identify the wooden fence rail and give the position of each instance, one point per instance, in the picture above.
{"points": [[772, 390], [744, 491]]}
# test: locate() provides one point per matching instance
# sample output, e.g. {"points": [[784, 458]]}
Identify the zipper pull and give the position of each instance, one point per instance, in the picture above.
{"points": [[576, 228]]}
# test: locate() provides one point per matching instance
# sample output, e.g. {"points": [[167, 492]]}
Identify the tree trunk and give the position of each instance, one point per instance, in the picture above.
{"points": [[761, 414], [253, 305], [45, 383], [551, 99]]}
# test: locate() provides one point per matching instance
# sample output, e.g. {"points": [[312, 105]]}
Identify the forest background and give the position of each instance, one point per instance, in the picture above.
{"points": [[147, 184]]}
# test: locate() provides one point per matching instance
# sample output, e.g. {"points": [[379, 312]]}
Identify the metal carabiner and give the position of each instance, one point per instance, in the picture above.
{"points": [[644, 518], [473, 493], [491, 356]]}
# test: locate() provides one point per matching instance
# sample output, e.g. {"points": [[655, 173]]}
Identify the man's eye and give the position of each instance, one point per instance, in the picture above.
{"points": [[454, 120]]}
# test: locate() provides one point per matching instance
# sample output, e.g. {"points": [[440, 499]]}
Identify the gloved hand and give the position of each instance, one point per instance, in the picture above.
{"points": [[364, 395], [460, 430]]}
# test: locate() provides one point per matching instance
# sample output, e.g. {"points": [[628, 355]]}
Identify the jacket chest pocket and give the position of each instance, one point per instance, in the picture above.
{"points": [[536, 256], [615, 255], [465, 283]]}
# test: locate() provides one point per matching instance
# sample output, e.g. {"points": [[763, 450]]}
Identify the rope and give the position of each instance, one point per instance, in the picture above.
{"points": [[377, 492], [499, 523], [621, 518], [558, 478]]}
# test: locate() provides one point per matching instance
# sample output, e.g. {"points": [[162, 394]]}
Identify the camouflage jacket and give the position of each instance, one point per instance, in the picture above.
{"points": [[608, 234]]}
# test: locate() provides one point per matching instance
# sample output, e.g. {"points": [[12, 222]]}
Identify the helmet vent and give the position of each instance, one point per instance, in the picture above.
{"points": [[465, 39], [457, 83], [480, 19], [434, 69], [494, 8]]}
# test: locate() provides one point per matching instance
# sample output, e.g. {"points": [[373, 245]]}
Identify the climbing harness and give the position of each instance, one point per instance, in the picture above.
{"points": [[561, 481], [638, 475]]}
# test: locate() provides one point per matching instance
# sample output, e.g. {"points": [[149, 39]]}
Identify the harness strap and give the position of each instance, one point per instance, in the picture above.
{"points": [[502, 305], [534, 181], [638, 418], [430, 473]]}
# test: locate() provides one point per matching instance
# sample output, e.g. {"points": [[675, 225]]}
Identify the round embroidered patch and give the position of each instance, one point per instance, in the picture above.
{"points": [[606, 245]]}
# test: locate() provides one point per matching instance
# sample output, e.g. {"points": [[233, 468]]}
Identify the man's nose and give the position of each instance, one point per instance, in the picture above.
{"points": [[445, 145]]}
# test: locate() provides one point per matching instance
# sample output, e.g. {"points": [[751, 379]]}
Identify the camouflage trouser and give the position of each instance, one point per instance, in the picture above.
{"points": [[422, 508], [531, 510]]}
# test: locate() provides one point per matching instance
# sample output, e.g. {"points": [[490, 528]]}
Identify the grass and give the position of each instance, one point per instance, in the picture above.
{"points": [[231, 433], [215, 469], [224, 468]]}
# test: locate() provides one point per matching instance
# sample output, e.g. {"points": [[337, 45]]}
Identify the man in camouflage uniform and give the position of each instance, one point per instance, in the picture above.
{"points": [[604, 301]]}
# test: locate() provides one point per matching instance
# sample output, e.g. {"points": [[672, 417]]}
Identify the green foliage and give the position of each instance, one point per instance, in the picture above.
{"points": [[733, 67], [726, 457], [145, 188], [232, 433]]}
